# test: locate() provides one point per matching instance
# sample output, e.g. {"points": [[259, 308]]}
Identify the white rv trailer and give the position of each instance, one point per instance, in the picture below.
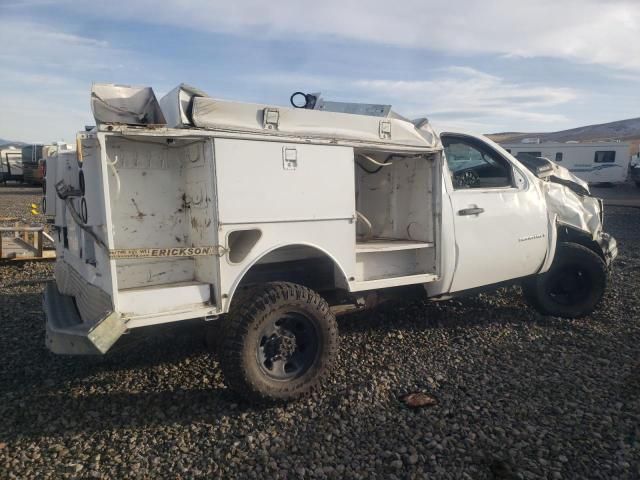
{"points": [[597, 162]]}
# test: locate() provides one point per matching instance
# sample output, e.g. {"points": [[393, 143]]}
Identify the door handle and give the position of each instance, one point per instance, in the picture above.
{"points": [[471, 211]]}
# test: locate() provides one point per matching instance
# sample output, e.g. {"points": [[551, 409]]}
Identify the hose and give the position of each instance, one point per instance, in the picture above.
{"points": [[66, 193], [375, 162], [381, 165], [366, 221], [112, 166], [79, 222]]}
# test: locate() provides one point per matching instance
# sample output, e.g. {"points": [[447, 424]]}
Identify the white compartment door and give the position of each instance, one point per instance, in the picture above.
{"points": [[281, 182], [272, 195]]}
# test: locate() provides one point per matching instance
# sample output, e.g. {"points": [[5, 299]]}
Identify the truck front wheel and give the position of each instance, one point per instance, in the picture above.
{"points": [[279, 342], [573, 286]]}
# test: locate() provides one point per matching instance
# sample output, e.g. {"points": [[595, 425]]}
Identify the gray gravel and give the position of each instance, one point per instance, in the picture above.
{"points": [[519, 395], [15, 202]]}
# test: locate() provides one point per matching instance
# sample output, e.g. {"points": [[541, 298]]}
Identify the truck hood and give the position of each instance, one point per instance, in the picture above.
{"points": [[545, 169], [570, 200], [564, 177], [567, 196]]}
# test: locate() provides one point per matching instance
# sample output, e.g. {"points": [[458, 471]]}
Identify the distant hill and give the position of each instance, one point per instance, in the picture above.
{"points": [[5, 143], [624, 130]]}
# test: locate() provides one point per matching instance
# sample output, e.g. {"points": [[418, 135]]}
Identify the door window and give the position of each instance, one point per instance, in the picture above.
{"points": [[475, 165]]}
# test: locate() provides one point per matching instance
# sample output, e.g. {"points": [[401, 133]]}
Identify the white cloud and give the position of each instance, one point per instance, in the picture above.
{"points": [[49, 68], [601, 32], [45, 80], [456, 96], [34, 119], [31, 44]]}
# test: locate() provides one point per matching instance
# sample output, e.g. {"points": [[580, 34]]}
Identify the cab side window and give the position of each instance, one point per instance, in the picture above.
{"points": [[474, 165]]}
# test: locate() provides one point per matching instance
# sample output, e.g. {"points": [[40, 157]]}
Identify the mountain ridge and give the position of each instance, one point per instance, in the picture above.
{"points": [[625, 130], [4, 143]]}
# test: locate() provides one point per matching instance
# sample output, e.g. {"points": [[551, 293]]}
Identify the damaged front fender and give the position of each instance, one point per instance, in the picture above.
{"points": [[569, 198], [581, 212], [577, 215]]}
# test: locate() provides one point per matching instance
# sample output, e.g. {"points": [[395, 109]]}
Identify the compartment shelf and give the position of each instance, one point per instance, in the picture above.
{"points": [[389, 245]]}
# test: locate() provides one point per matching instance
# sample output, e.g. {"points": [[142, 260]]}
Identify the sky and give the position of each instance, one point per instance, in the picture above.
{"points": [[483, 66]]}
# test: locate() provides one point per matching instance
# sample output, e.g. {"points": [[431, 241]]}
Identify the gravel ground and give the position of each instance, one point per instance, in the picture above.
{"points": [[519, 395], [15, 203]]}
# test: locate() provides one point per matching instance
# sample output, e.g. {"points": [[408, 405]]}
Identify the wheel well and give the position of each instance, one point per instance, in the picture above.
{"points": [[571, 235], [300, 264]]}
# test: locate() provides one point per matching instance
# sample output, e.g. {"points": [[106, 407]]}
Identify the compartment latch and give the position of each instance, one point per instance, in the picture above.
{"points": [[270, 118], [385, 129], [289, 158]]}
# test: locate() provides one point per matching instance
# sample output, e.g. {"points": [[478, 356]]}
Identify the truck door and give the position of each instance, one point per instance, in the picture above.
{"points": [[500, 218]]}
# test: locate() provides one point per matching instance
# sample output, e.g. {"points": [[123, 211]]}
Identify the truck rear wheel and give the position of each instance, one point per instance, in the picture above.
{"points": [[573, 286], [279, 342]]}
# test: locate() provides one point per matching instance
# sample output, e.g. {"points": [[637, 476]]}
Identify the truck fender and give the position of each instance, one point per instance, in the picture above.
{"points": [[340, 274], [552, 228]]}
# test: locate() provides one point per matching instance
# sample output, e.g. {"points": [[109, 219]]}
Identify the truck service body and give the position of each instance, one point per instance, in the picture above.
{"points": [[259, 217]]}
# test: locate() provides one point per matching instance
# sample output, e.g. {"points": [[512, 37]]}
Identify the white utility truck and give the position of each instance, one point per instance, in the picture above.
{"points": [[593, 162], [267, 221]]}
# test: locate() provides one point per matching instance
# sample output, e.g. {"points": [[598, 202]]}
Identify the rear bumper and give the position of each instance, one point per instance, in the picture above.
{"points": [[609, 247], [66, 333]]}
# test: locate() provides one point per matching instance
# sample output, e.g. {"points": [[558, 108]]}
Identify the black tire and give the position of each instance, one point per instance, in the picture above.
{"points": [[279, 343], [214, 333], [573, 286], [638, 183]]}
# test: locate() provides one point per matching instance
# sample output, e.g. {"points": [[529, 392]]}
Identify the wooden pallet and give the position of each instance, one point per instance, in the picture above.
{"points": [[24, 242]]}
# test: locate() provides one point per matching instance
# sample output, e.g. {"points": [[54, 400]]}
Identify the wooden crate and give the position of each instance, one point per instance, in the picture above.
{"points": [[24, 242]]}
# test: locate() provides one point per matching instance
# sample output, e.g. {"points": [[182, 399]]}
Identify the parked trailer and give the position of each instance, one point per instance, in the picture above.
{"points": [[33, 157], [11, 165], [634, 169], [267, 221], [601, 162]]}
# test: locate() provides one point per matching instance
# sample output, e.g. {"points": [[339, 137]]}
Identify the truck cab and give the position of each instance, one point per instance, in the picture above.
{"points": [[269, 221]]}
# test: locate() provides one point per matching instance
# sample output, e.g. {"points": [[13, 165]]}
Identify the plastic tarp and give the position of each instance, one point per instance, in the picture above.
{"points": [[211, 113], [177, 105], [122, 104]]}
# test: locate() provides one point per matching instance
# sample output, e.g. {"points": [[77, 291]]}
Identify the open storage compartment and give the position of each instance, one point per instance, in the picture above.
{"points": [[162, 205], [395, 209]]}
